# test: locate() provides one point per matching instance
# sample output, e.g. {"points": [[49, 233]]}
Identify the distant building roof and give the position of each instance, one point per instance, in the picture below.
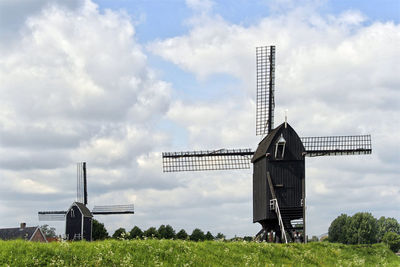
{"points": [[85, 211], [25, 233]]}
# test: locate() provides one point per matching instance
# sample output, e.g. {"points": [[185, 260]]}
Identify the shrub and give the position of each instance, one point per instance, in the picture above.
{"points": [[220, 236], [50, 231], [338, 229], [136, 232], [248, 238], [151, 233], [209, 236], [392, 240], [120, 233], [197, 235], [387, 225], [361, 228], [166, 232], [99, 232], [182, 235]]}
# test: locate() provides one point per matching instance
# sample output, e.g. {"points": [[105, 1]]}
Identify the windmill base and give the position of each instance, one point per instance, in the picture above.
{"points": [[271, 233]]}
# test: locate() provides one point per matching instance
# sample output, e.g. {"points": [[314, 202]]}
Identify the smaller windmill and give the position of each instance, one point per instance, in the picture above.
{"points": [[78, 218]]}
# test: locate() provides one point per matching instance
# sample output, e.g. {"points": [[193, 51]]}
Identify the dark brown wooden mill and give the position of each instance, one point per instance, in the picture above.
{"points": [[278, 162]]}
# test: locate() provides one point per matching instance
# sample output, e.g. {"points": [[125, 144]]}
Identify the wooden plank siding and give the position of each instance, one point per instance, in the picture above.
{"points": [[287, 174]]}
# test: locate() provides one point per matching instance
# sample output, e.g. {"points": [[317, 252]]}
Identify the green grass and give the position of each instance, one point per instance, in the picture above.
{"points": [[186, 253]]}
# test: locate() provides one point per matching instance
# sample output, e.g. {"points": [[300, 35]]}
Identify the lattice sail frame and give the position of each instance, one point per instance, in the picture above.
{"points": [[337, 145], [223, 159], [230, 159], [52, 215], [113, 209], [80, 183], [265, 102]]}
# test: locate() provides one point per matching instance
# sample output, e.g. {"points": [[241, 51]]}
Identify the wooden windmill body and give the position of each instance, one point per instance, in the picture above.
{"points": [[279, 181]]}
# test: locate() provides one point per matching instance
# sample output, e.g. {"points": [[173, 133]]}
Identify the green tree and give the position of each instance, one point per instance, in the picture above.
{"points": [[363, 229], [236, 239], [166, 232], [248, 238], [313, 239], [197, 235], [99, 232], [324, 239], [182, 235], [119, 233], [387, 225], [48, 231], [220, 236], [392, 240], [338, 229], [136, 232], [209, 236], [151, 233]]}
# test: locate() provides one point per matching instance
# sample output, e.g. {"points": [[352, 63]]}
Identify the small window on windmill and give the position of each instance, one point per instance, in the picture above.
{"points": [[280, 148], [72, 213]]}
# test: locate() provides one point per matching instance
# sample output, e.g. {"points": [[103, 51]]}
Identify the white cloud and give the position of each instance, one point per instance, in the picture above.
{"points": [[75, 74], [200, 5], [76, 86], [351, 17], [210, 125]]}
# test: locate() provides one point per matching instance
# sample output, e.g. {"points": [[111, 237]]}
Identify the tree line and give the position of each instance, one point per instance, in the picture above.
{"points": [[363, 228], [99, 232]]}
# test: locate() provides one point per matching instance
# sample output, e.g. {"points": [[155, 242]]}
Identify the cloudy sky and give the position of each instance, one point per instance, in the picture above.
{"points": [[115, 83]]}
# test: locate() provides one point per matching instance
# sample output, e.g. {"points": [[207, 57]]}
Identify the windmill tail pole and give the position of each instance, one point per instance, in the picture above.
{"points": [[84, 184]]}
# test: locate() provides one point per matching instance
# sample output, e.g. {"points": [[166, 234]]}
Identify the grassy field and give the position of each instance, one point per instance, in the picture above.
{"points": [[185, 253]]}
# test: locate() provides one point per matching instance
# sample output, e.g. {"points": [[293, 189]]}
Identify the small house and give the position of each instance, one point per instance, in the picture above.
{"points": [[25, 233]]}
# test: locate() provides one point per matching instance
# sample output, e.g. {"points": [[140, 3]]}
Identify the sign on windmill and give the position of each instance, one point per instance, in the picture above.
{"points": [[279, 196], [78, 218]]}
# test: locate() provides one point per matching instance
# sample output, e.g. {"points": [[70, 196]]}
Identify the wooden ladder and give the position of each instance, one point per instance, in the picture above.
{"points": [[273, 205]]}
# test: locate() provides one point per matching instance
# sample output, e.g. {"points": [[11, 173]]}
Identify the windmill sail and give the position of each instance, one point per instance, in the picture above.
{"points": [[52, 215], [81, 185], [337, 145], [113, 209], [265, 64], [223, 159]]}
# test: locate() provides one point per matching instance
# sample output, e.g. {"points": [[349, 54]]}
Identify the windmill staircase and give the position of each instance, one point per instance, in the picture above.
{"points": [[273, 205]]}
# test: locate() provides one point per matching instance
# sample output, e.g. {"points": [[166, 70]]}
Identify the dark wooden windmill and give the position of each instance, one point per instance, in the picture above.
{"points": [[78, 218], [278, 162]]}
